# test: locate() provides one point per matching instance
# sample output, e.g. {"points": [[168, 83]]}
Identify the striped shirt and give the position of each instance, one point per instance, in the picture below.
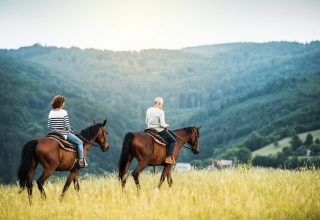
{"points": [[58, 121]]}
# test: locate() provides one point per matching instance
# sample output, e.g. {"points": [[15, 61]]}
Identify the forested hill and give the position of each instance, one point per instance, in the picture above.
{"points": [[236, 92]]}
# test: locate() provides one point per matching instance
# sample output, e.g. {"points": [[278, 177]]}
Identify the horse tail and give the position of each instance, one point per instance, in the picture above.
{"points": [[125, 153], [28, 154]]}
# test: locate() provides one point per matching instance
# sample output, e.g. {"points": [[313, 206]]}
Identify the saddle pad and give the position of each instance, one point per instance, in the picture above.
{"points": [[63, 143], [156, 137]]}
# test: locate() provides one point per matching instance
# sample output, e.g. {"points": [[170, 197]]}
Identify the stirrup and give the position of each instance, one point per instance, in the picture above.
{"points": [[170, 160], [81, 163]]}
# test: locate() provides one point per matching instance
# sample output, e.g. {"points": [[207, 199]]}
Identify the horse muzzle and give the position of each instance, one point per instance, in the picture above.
{"points": [[196, 150], [105, 148]]}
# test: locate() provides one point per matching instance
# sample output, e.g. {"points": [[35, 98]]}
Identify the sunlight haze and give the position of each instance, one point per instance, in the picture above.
{"points": [[169, 24]]}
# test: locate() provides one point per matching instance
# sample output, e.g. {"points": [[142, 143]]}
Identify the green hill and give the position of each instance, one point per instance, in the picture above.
{"points": [[275, 148], [26, 92], [244, 95]]}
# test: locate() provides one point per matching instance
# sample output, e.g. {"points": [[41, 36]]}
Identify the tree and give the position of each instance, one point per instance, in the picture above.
{"points": [[287, 151], [295, 142], [315, 149], [255, 141], [244, 155], [309, 140]]}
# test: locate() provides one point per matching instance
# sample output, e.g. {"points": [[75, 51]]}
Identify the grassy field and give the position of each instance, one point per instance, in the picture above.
{"points": [[272, 149], [242, 193]]}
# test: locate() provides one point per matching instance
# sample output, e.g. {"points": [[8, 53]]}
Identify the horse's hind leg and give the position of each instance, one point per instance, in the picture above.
{"points": [[166, 170], [29, 180], [136, 173], [44, 176], [72, 176], [125, 173]]}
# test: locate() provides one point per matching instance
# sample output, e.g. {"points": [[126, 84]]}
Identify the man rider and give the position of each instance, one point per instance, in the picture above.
{"points": [[155, 119]]}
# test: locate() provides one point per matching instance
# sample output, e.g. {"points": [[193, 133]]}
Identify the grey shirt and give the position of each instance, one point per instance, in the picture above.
{"points": [[155, 119]]}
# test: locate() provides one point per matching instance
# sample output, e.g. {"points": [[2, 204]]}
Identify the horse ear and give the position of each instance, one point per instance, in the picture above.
{"points": [[104, 122], [94, 122], [199, 127]]}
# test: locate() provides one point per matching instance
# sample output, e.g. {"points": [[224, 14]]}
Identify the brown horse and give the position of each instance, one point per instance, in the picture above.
{"points": [[51, 156], [141, 146]]}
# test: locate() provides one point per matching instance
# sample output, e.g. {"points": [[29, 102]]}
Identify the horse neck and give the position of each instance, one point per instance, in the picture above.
{"points": [[90, 137], [182, 134]]}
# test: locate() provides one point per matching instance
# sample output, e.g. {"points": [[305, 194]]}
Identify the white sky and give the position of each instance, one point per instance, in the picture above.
{"points": [[142, 24]]}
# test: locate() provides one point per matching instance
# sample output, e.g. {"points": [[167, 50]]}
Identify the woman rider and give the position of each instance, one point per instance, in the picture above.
{"points": [[58, 121]]}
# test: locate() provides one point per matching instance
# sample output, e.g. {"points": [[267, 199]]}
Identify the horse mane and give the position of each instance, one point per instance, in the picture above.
{"points": [[90, 131], [189, 130]]}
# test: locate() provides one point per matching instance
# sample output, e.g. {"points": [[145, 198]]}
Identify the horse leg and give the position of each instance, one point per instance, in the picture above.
{"points": [[165, 172], [126, 175], [169, 178], [72, 176], [76, 183], [29, 179], [44, 176], [136, 173]]}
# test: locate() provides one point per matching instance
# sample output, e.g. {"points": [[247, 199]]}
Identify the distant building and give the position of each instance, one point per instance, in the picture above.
{"points": [[182, 167], [221, 164]]}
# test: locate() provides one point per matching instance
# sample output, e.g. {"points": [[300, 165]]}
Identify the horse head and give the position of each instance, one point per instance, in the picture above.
{"points": [[102, 136], [193, 140]]}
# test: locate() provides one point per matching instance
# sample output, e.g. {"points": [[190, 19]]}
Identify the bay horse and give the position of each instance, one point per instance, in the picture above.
{"points": [[142, 146], [52, 157]]}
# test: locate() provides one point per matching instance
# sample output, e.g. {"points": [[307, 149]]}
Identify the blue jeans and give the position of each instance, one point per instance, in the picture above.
{"points": [[171, 140], [76, 140]]}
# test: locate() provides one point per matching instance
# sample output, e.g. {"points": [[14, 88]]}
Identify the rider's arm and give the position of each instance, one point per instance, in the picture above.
{"points": [[67, 123], [162, 121]]}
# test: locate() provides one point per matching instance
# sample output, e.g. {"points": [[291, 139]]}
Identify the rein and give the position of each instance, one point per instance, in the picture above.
{"points": [[187, 147], [90, 142], [184, 142]]}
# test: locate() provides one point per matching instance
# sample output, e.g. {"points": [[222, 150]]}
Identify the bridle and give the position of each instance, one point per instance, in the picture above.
{"points": [[184, 141], [93, 142]]}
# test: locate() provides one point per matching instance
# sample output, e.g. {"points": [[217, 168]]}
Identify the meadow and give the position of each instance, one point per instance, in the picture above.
{"points": [[241, 193]]}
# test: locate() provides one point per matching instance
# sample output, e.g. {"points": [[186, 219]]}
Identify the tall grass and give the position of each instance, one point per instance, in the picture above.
{"points": [[243, 193]]}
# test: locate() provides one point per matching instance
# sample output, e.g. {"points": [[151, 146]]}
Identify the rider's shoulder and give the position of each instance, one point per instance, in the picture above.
{"points": [[154, 109], [59, 113]]}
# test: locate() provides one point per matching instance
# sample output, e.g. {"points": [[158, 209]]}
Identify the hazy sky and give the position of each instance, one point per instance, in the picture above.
{"points": [[141, 24]]}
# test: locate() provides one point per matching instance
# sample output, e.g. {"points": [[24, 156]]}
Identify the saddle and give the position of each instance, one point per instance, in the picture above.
{"points": [[156, 136], [65, 144]]}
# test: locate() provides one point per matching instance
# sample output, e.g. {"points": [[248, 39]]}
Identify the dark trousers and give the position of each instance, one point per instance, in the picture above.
{"points": [[171, 140]]}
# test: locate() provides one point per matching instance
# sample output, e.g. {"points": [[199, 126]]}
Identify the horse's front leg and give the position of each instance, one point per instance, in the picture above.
{"points": [[44, 176], [166, 170], [169, 178], [71, 177], [137, 171]]}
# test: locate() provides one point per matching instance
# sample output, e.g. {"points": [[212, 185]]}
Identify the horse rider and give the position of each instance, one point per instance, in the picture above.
{"points": [[155, 119], [58, 121]]}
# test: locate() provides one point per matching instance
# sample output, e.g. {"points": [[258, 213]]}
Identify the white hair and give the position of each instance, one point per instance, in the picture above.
{"points": [[158, 99]]}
